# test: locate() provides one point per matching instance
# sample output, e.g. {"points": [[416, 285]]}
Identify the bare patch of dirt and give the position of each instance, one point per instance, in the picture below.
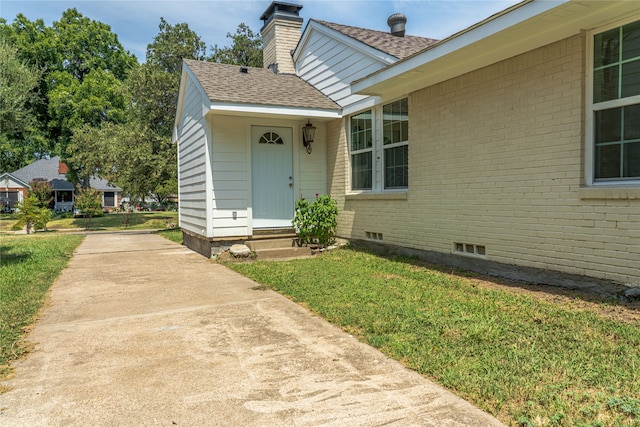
{"points": [[616, 310], [623, 311]]}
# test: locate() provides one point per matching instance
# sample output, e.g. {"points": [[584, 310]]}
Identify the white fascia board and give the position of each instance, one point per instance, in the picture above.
{"points": [[9, 176], [272, 110], [186, 75], [344, 39], [363, 104], [491, 26], [181, 89]]}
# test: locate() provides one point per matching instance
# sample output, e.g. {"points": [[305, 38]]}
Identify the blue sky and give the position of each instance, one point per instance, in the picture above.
{"points": [[136, 22]]}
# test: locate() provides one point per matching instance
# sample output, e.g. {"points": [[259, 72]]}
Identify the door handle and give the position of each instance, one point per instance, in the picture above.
{"points": [[290, 182]]}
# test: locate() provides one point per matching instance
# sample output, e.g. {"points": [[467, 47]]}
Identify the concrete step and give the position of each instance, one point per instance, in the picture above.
{"points": [[264, 244], [283, 253], [272, 233]]}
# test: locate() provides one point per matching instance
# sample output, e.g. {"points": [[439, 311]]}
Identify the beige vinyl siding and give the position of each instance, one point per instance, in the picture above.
{"points": [[331, 66], [311, 168], [496, 158], [192, 160], [230, 166]]}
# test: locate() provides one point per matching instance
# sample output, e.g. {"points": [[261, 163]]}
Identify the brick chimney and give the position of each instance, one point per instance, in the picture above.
{"points": [[280, 35], [63, 168]]}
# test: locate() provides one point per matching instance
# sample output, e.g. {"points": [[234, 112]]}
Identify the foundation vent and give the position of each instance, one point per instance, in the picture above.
{"points": [[373, 236], [469, 249]]}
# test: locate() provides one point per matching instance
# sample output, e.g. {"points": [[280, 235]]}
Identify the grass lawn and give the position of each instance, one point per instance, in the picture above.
{"points": [[528, 360], [114, 221], [28, 267], [175, 235]]}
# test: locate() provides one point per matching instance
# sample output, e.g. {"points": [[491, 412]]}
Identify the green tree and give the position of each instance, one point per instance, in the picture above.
{"points": [[153, 97], [42, 191], [173, 44], [245, 49], [20, 142], [131, 156], [85, 45], [83, 66], [140, 156], [31, 215], [99, 98], [89, 203]]}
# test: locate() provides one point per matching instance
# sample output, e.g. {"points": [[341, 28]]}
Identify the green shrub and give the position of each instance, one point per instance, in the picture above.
{"points": [[31, 215], [316, 222], [89, 203]]}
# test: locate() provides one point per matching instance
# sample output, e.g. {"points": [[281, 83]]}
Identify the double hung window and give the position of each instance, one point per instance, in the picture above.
{"points": [[395, 137], [615, 110], [379, 148], [362, 151]]}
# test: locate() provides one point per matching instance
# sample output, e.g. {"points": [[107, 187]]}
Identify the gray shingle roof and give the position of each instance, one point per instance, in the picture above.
{"points": [[225, 83], [49, 169], [400, 47]]}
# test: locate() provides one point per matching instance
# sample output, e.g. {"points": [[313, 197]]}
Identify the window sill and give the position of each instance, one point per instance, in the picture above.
{"points": [[620, 193], [400, 195]]}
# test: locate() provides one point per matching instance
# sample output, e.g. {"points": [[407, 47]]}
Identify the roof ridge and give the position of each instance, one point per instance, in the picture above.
{"points": [[323, 22], [383, 41]]}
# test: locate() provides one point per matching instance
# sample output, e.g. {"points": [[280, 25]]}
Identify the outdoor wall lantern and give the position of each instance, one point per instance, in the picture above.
{"points": [[308, 132]]}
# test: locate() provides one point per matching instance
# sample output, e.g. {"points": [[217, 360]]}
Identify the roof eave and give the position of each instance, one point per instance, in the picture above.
{"points": [[506, 34], [255, 110], [14, 178]]}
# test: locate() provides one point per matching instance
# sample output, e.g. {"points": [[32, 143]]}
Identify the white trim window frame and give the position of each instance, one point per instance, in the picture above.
{"points": [[613, 104], [361, 148], [395, 144], [378, 148]]}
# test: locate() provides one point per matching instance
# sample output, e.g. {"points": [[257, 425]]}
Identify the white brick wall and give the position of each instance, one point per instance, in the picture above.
{"points": [[496, 158]]}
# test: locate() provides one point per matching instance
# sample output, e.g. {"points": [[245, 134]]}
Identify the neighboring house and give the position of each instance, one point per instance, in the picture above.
{"points": [[511, 147], [12, 192], [55, 172]]}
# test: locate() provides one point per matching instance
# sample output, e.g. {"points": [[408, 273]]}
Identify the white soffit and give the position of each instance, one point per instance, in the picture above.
{"points": [[519, 29], [257, 110]]}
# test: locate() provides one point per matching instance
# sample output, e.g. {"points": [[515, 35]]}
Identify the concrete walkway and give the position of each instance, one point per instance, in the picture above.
{"points": [[143, 332]]}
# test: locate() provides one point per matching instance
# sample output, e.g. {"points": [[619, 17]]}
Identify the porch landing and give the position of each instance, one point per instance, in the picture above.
{"points": [[276, 244]]}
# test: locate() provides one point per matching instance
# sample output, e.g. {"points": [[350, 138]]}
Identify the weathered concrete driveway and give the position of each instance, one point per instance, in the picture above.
{"points": [[142, 332]]}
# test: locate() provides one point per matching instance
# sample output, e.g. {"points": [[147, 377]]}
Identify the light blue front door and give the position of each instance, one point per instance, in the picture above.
{"points": [[272, 176]]}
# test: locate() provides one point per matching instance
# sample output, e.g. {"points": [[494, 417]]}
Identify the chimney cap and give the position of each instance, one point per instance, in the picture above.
{"points": [[282, 10], [397, 22]]}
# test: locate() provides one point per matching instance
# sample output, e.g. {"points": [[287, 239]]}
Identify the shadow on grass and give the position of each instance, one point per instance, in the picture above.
{"points": [[609, 296], [8, 257]]}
